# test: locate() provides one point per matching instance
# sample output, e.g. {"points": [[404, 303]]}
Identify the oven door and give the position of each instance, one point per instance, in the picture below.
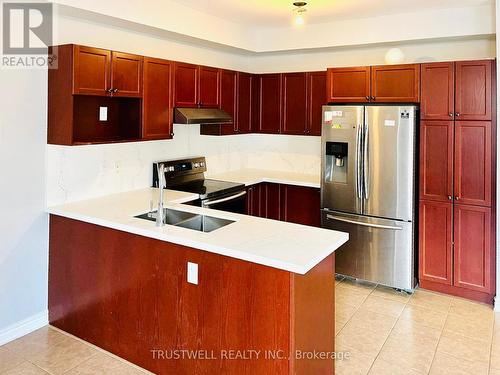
{"points": [[235, 202]]}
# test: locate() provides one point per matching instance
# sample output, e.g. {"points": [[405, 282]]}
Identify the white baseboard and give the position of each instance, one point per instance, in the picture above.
{"points": [[24, 327]]}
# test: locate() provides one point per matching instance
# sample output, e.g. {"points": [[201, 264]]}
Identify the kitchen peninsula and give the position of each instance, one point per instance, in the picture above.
{"points": [[260, 286]]}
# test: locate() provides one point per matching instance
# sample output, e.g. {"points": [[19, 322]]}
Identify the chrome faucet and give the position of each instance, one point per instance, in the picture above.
{"points": [[160, 214]]}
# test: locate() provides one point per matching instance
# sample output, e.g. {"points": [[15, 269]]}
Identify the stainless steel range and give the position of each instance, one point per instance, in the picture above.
{"points": [[368, 190], [189, 175]]}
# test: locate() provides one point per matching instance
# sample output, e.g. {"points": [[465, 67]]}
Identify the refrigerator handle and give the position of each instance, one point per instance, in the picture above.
{"points": [[366, 161], [380, 226], [359, 160]]}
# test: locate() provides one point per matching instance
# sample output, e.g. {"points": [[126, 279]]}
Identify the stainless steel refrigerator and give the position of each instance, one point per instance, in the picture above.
{"points": [[368, 190]]}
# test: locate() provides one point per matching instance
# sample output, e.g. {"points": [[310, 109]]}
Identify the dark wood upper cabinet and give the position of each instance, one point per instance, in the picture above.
{"points": [[473, 95], [349, 85], [126, 74], [436, 160], [438, 91], [395, 83], [435, 242], [91, 70], [157, 102], [294, 120], [186, 85], [316, 99], [270, 103], [301, 205], [473, 162], [474, 251], [209, 87], [244, 107], [228, 96]]}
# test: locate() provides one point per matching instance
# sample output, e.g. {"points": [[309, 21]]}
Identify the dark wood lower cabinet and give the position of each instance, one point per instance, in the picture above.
{"points": [[457, 250], [128, 294], [436, 242], [294, 204]]}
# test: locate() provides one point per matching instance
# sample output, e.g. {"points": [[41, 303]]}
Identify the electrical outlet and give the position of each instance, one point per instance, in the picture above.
{"points": [[192, 273], [103, 113]]}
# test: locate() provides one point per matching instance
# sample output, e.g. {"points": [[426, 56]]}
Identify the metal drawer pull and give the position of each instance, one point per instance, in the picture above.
{"points": [[338, 218], [210, 203]]}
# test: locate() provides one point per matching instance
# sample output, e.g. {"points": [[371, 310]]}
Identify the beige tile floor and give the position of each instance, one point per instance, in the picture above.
{"points": [[385, 332]]}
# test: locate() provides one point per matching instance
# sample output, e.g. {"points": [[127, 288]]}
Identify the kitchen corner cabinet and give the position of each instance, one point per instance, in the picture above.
{"points": [[270, 91], [158, 101], [244, 103], [380, 84], [294, 118], [294, 204]]}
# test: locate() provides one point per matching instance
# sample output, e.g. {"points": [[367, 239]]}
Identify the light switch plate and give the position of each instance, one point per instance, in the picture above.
{"points": [[103, 113], [192, 273]]}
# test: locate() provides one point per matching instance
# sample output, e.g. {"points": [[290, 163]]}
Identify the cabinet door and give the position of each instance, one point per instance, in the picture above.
{"points": [[435, 242], [473, 90], [270, 103], [395, 83], [474, 253], [438, 91], [157, 103], [91, 71], [301, 205], [228, 98], [316, 99], [270, 201], [436, 160], [254, 200], [186, 85], [473, 162], [244, 107], [348, 85], [294, 103], [209, 87], [126, 74]]}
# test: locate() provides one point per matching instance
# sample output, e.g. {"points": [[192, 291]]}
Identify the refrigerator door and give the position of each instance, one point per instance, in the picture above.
{"points": [[378, 250], [388, 161], [341, 158]]}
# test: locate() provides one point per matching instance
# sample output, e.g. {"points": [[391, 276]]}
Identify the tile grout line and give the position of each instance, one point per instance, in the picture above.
{"points": [[491, 343], [387, 338]]}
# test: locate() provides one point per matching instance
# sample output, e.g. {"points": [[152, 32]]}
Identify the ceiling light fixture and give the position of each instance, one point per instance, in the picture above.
{"points": [[299, 12]]}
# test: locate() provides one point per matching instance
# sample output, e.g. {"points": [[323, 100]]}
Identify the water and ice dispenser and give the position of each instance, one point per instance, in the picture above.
{"points": [[336, 158]]}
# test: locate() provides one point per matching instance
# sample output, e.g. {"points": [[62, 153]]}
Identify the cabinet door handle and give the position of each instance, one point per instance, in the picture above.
{"points": [[373, 98], [456, 198], [115, 91], [109, 91], [450, 197], [457, 114], [450, 114], [367, 98]]}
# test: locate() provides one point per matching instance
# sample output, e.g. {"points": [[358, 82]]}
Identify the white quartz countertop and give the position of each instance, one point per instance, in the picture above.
{"points": [[255, 176], [291, 247]]}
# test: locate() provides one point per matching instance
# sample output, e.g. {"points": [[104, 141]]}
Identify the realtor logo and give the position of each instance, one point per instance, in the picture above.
{"points": [[27, 31]]}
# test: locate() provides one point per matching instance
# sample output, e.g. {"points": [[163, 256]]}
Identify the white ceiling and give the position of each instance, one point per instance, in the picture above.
{"points": [[278, 13]]}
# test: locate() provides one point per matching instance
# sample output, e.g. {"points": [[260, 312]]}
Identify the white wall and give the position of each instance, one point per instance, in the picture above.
{"points": [[23, 223]]}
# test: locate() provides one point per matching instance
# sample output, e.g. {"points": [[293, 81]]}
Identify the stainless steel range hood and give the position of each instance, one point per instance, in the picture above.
{"points": [[201, 116]]}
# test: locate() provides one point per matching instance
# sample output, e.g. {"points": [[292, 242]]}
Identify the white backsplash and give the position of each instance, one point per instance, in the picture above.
{"points": [[82, 172]]}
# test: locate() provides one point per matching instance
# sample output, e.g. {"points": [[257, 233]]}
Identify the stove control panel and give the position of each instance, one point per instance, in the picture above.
{"points": [[179, 170]]}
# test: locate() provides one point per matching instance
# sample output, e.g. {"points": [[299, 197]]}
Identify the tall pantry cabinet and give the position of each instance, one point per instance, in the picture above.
{"points": [[457, 153]]}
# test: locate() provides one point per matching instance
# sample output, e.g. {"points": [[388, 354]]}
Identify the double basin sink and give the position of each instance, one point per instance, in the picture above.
{"points": [[189, 220]]}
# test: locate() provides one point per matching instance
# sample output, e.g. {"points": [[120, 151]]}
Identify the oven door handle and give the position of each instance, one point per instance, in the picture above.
{"points": [[210, 203]]}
